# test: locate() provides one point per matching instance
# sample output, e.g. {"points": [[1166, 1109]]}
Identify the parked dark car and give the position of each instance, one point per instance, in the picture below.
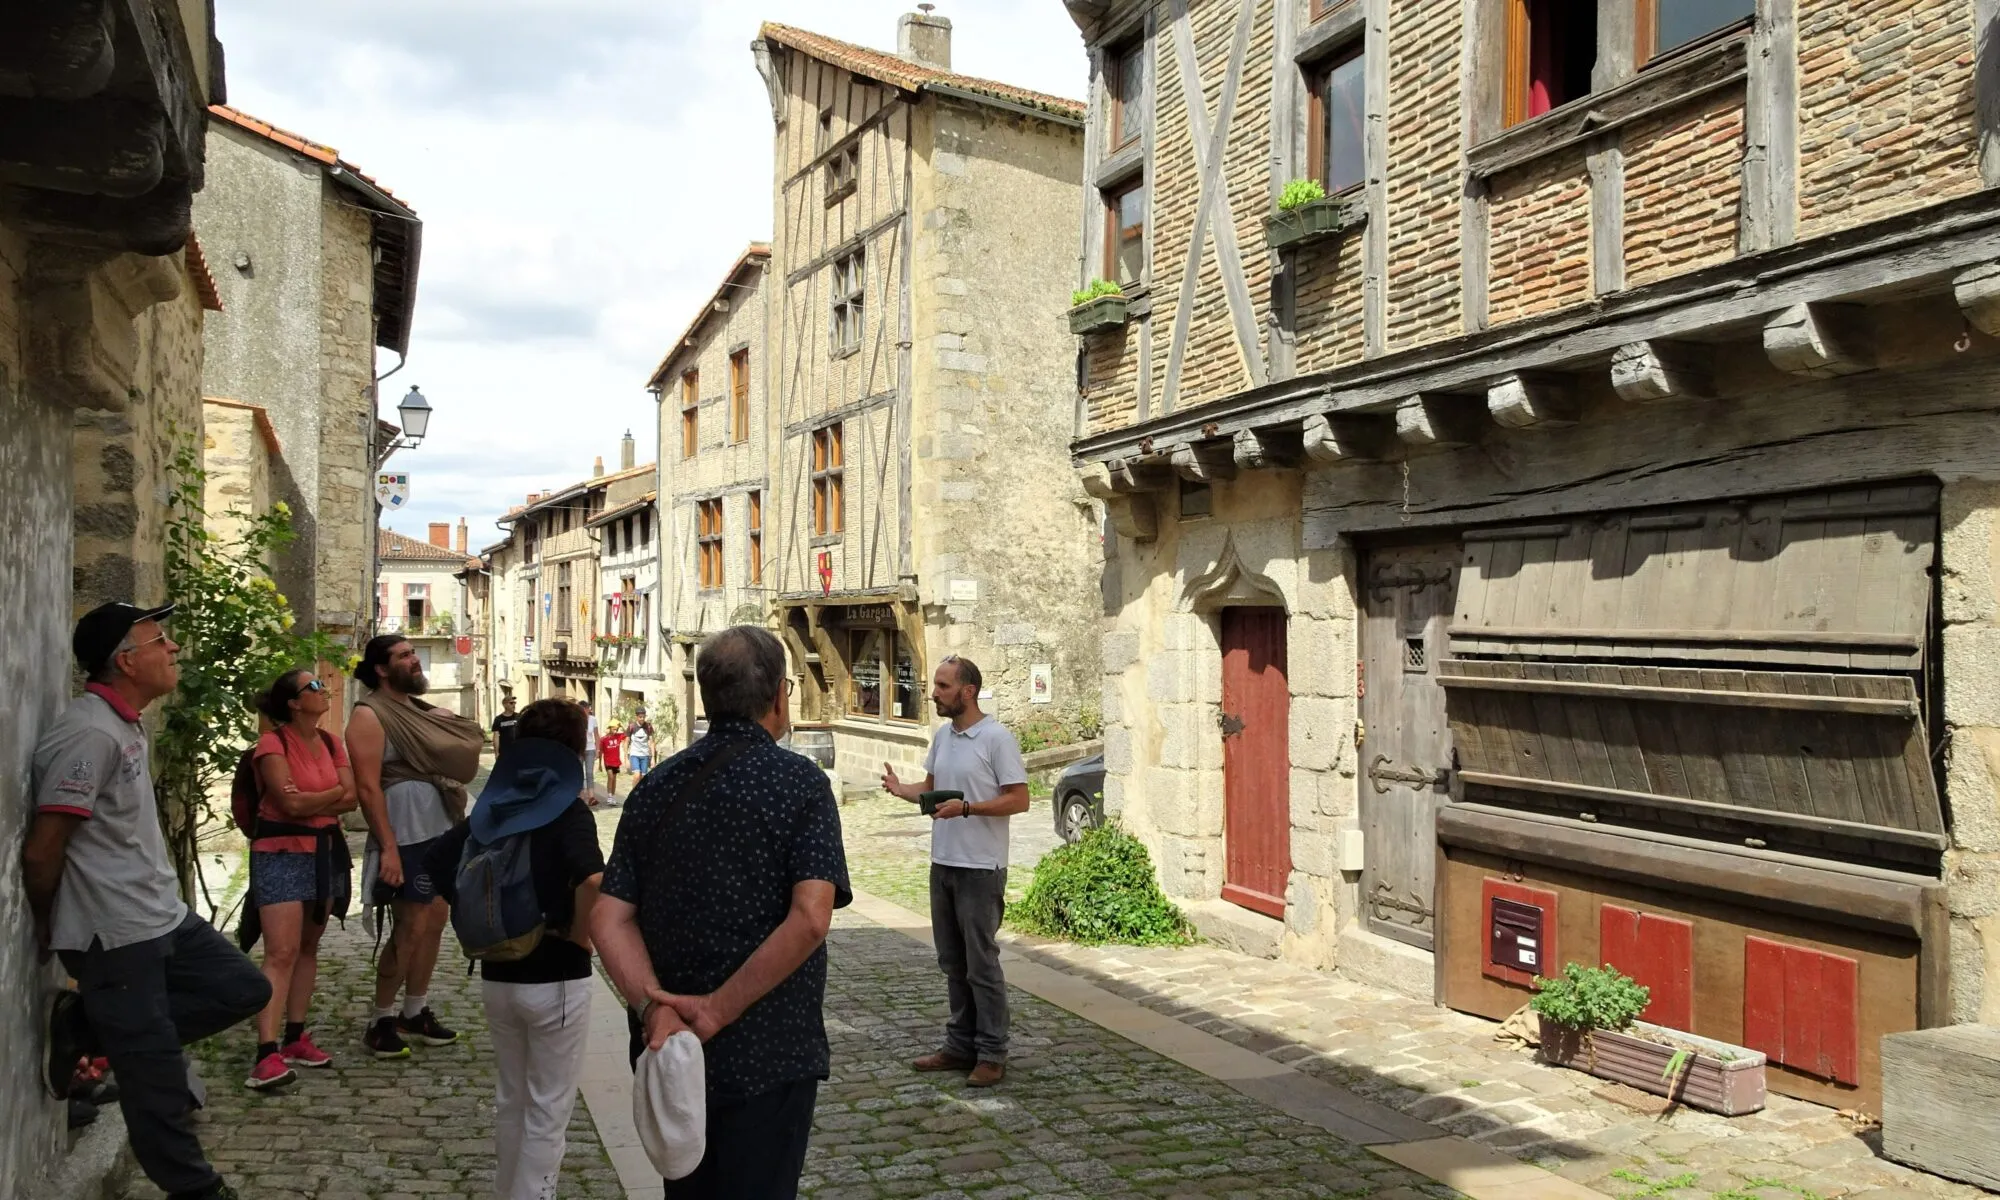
{"points": [[1079, 794]]}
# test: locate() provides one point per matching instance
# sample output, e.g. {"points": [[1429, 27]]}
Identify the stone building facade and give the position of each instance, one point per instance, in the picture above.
{"points": [[100, 338], [1443, 504], [715, 474], [920, 395], [631, 641], [317, 267], [420, 593], [240, 449]]}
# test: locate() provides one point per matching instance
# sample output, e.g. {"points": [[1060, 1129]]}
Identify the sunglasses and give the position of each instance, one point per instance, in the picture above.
{"points": [[314, 686]]}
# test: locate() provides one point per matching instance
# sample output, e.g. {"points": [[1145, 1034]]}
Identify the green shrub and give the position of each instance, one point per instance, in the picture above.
{"points": [[1099, 890], [1094, 289], [1590, 998], [1299, 193]]}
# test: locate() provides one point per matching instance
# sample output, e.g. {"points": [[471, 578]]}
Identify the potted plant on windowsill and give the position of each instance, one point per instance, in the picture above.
{"points": [[1590, 1023], [1306, 213], [1097, 307]]}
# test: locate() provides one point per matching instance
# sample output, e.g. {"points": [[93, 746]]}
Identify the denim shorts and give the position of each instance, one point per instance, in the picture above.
{"points": [[282, 877]]}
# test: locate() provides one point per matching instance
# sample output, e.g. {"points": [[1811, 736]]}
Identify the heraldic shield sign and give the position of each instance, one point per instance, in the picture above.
{"points": [[392, 489]]}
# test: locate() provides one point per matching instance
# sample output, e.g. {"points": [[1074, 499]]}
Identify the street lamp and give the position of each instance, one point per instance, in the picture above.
{"points": [[416, 414]]}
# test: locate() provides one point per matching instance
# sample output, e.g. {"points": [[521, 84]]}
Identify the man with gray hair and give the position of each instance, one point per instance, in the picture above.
{"points": [[977, 757], [714, 913], [151, 975]]}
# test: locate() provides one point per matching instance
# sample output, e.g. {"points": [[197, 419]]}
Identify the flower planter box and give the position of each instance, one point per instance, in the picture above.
{"points": [[1718, 1078], [1309, 222], [1094, 316]]}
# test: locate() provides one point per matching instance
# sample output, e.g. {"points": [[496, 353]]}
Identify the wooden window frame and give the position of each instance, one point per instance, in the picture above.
{"points": [[843, 173], [563, 594], [829, 464], [1114, 232], [628, 605], [755, 566], [739, 395], [1119, 57], [1646, 33], [708, 542], [645, 527], [1319, 79], [823, 135], [849, 299], [1326, 8], [690, 412]]}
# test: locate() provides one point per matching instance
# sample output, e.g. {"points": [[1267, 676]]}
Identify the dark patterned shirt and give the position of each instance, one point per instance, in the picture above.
{"points": [[712, 876]]}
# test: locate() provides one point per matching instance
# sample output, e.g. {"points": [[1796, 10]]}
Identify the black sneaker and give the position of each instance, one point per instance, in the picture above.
{"points": [[424, 1028], [383, 1041], [221, 1191], [67, 1036]]}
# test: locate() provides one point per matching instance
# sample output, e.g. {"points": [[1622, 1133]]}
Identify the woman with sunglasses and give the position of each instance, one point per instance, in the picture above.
{"points": [[297, 860]]}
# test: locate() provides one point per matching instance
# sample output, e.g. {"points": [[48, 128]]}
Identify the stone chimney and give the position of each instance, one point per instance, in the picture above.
{"points": [[463, 533], [628, 452], [441, 534], [597, 467], [924, 38]]}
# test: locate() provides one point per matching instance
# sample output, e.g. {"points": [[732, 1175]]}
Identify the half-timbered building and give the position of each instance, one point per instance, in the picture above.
{"points": [[1571, 539], [922, 388]]}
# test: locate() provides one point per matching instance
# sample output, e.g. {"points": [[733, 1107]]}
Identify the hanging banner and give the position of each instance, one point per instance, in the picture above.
{"points": [[392, 489]]}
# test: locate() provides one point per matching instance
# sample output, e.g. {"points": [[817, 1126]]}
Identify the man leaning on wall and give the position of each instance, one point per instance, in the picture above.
{"points": [[151, 976]]}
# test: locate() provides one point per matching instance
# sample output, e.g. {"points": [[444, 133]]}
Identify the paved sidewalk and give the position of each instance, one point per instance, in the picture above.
{"points": [[1446, 1068]]}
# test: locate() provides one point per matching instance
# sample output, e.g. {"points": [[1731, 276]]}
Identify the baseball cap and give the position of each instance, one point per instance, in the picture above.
{"points": [[100, 630]]}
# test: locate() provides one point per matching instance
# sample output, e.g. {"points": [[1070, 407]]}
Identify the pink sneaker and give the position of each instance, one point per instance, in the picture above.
{"points": [[270, 1072], [303, 1053]]}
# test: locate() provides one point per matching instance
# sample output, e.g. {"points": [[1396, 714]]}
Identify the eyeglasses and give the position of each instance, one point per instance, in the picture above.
{"points": [[314, 686], [129, 647]]}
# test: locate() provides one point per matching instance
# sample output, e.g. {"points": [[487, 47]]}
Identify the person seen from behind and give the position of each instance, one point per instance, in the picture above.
{"points": [[152, 976], [412, 761], [721, 887], [537, 1006], [977, 756], [305, 783]]}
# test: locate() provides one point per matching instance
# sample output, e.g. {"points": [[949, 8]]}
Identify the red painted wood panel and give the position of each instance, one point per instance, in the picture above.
{"points": [[1656, 951], [1491, 888], [1800, 1008], [1256, 759]]}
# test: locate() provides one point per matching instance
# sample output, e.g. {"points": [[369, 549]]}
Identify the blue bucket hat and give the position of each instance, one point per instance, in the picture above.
{"points": [[530, 786]]}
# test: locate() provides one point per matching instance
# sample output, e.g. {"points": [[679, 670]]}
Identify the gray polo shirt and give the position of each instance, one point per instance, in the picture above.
{"points": [[979, 762], [118, 885]]}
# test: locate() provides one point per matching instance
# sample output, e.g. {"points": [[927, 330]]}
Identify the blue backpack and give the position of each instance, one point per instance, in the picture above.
{"points": [[498, 917]]}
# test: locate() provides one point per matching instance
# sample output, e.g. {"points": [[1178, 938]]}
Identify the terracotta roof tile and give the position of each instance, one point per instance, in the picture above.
{"points": [[758, 252], [204, 280], [298, 143], [390, 545], [911, 76]]}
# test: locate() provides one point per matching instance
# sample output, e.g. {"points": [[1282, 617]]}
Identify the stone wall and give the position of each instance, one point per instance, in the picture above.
{"points": [[1683, 190], [344, 551], [35, 448], [124, 457], [1885, 109], [259, 217], [238, 461], [995, 506]]}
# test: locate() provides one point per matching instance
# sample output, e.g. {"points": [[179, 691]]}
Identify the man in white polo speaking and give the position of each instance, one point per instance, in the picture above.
{"points": [[979, 758]]}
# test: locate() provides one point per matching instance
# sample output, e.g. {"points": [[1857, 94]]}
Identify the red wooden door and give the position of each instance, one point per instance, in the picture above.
{"points": [[1256, 759]]}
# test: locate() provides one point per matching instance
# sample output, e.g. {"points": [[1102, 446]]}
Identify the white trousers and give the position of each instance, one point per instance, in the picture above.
{"points": [[538, 1032]]}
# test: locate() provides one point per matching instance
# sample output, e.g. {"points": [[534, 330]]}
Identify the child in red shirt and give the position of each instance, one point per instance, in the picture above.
{"points": [[608, 753]]}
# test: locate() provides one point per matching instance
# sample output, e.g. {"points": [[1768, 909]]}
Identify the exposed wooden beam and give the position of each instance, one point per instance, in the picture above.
{"points": [[1771, 129], [1818, 341], [1526, 400], [1977, 290], [1205, 462], [1662, 370], [1440, 419], [1269, 446], [1133, 514], [1355, 437]]}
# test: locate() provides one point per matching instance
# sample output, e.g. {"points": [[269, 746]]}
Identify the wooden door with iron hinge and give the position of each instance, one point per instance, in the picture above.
{"points": [[1256, 759], [1404, 742]]}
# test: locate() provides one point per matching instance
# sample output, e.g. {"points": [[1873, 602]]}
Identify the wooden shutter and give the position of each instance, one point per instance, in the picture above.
{"points": [[1799, 1009], [1828, 579], [1657, 952]]}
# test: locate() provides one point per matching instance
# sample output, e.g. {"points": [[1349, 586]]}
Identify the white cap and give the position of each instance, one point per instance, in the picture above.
{"points": [[670, 1105]]}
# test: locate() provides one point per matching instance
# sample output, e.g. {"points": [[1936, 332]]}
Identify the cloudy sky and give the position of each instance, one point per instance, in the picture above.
{"points": [[585, 169]]}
